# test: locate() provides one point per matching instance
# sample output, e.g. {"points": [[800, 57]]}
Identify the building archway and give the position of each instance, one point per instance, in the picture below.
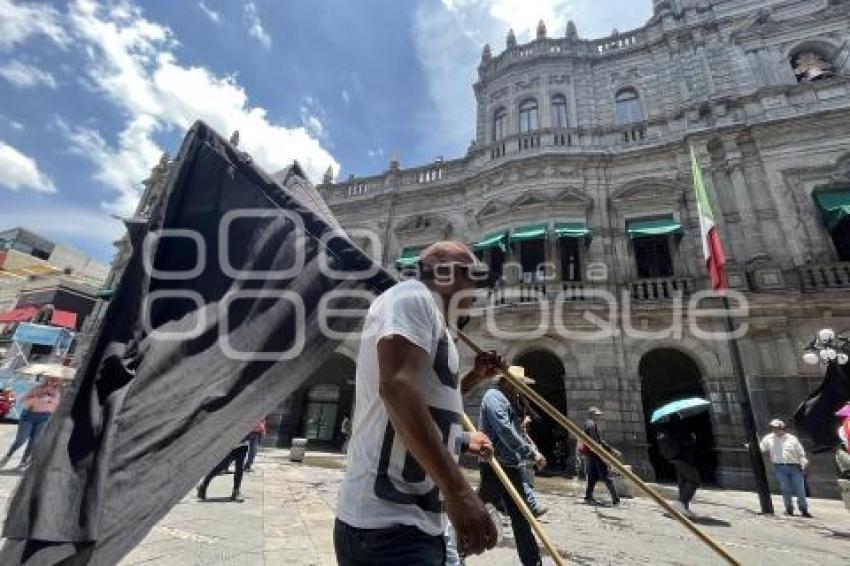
{"points": [[547, 370], [668, 374], [316, 410]]}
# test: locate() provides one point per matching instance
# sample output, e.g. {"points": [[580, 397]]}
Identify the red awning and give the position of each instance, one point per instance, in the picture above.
{"points": [[65, 319], [18, 315]]}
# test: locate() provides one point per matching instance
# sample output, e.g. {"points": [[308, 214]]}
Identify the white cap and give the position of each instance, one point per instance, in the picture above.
{"points": [[776, 423]]}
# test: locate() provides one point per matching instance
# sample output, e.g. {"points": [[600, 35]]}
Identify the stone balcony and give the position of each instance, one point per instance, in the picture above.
{"points": [[825, 276], [641, 290]]}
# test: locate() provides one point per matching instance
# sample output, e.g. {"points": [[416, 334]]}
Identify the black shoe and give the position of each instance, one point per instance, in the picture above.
{"points": [[591, 501], [615, 502], [202, 493], [789, 512], [540, 511], [247, 469], [805, 513], [237, 497]]}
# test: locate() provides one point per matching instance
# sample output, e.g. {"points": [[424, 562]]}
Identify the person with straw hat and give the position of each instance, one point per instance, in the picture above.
{"points": [[403, 481], [510, 448]]}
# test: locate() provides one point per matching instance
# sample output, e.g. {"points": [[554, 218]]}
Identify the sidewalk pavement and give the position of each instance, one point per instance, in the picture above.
{"points": [[287, 518]]}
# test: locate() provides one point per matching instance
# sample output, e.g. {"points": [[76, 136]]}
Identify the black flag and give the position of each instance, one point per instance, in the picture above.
{"points": [[816, 415], [218, 317]]}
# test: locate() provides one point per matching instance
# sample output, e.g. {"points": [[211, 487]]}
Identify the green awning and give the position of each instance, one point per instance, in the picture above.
{"points": [[652, 227], [496, 240], [571, 230], [834, 205], [409, 258], [526, 233]]}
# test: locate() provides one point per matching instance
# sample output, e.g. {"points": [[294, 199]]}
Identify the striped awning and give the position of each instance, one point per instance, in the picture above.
{"points": [[496, 240], [834, 206], [525, 233], [649, 227], [571, 230]]}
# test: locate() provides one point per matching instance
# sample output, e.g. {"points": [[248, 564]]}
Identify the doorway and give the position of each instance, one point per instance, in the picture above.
{"points": [[666, 375], [546, 369]]}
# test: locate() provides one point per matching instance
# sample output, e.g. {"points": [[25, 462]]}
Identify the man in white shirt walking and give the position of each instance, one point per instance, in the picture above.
{"points": [[789, 461], [403, 477]]}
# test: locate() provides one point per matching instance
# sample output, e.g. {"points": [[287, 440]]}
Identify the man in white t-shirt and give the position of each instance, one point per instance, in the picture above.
{"points": [[407, 435]]}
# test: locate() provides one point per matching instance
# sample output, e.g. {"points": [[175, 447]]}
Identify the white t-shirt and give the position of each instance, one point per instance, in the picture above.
{"points": [[384, 485]]}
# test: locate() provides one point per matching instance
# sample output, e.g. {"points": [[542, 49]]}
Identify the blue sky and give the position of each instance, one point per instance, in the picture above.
{"points": [[91, 93]]}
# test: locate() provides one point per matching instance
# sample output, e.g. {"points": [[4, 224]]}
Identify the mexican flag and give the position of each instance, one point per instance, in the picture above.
{"points": [[711, 248]]}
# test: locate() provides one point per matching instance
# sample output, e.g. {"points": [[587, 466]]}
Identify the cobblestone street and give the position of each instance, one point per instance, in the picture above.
{"points": [[288, 514]]}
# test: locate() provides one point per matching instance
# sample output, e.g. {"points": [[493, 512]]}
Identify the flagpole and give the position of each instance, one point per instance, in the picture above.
{"points": [[756, 460]]}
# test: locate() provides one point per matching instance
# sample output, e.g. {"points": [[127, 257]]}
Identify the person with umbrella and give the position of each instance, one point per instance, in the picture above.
{"points": [[789, 462], [677, 444]]}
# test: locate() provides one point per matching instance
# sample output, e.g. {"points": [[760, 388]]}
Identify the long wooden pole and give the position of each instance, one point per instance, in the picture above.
{"points": [[519, 501], [603, 454]]}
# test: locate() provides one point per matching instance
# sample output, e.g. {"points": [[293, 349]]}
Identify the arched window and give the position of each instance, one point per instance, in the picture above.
{"points": [[559, 111], [500, 124], [628, 107], [810, 65], [528, 121]]}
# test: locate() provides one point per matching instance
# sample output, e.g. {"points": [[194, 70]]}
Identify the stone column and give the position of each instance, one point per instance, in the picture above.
{"points": [[754, 241]]}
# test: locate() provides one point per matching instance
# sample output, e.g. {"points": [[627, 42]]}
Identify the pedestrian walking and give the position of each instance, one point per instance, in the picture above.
{"points": [[345, 429], [497, 421], [403, 480], [254, 438], [236, 457], [597, 470], [677, 443], [39, 404], [528, 468], [789, 462]]}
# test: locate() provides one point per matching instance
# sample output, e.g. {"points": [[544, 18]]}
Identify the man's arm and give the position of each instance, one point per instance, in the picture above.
{"points": [[486, 367], [400, 362]]}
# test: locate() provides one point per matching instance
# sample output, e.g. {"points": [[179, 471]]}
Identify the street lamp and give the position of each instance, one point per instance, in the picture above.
{"points": [[826, 348]]}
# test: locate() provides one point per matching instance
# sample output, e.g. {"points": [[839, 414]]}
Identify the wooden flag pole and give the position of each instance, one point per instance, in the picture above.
{"points": [[519, 501], [597, 449]]}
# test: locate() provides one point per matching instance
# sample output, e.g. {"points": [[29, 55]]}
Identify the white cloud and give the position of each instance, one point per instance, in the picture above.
{"points": [[20, 21], [214, 16], [376, 152], [345, 97], [255, 25], [121, 167], [22, 75], [92, 227], [21, 172], [131, 61]]}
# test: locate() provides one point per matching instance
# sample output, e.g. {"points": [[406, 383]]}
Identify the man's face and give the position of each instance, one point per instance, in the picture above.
{"points": [[779, 431]]}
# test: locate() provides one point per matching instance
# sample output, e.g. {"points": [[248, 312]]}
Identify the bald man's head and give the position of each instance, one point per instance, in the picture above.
{"points": [[446, 253]]}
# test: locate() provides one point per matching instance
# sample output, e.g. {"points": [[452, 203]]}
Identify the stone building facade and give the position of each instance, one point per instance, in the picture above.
{"points": [[577, 191], [578, 183]]}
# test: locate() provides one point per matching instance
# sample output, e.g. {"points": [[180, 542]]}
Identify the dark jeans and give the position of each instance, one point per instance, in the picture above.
{"points": [[598, 471], [393, 546], [688, 478], [237, 456], [30, 427], [253, 443], [526, 545]]}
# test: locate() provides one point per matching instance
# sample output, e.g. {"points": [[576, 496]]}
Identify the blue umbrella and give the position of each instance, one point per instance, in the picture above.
{"points": [[682, 407]]}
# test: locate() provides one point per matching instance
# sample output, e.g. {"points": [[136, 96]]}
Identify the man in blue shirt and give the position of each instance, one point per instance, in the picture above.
{"points": [[510, 448]]}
